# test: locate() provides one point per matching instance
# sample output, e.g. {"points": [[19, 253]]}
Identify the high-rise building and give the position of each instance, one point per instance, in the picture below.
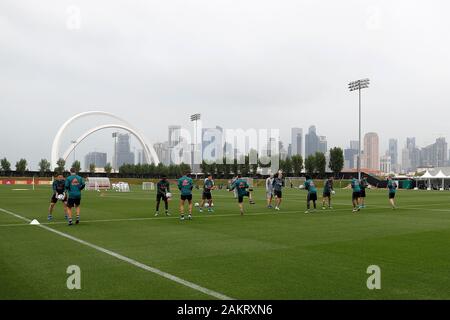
{"points": [[314, 143], [410, 155], [323, 145], [393, 154], [123, 151], [212, 144], [174, 140], [98, 159], [371, 158], [386, 163], [296, 141], [435, 155]]}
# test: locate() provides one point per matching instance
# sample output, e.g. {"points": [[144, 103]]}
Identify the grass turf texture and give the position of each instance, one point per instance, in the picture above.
{"points": [[263, 255]]}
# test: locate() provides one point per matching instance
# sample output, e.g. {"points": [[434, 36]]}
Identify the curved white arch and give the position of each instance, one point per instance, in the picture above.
{"points": [[57, 139], [147, 150]]}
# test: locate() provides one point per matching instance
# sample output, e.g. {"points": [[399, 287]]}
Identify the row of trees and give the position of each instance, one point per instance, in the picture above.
{"points": [[44, 166], [314, 165]]}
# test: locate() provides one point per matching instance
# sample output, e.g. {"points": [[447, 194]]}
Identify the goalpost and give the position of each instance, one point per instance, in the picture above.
{"points": [[146, 186], [294, 182], [121, 187], [98, 183]]}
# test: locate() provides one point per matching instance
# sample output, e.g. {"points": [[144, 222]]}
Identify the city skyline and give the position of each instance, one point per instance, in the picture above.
{"points": [[257, 74]]}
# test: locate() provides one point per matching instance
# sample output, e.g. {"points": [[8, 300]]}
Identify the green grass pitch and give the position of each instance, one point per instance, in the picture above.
{"points": [[263, 255]]}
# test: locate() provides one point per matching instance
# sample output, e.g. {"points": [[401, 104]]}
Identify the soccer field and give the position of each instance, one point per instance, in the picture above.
{"points": [[124, 252]]}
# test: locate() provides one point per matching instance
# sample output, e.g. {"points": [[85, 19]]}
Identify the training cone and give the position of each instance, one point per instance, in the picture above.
{"points": [[34, 223]]}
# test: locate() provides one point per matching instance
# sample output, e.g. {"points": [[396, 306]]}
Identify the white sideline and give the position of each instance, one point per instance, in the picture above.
{"points": [[128, 260]]}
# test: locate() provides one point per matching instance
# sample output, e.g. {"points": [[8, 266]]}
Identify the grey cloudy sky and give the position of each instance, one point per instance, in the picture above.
{"points": [[241, 63]]}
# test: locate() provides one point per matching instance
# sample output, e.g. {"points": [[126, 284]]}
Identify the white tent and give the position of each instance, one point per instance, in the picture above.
{"points": [[441, 175]]}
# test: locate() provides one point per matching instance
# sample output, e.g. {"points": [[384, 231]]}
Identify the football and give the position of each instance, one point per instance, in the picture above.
{"points": [[61, 196]]}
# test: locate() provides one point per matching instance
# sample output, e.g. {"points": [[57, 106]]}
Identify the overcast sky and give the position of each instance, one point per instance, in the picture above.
{"points": [[241, 63]]}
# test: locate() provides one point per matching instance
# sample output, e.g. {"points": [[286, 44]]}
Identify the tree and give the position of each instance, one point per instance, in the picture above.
{"points": [[336, 160], [108, 168], [21, 166], [77, 166], [320, 164], [297, 164], [61, 163], [44, 166], [287, 167], [91, 168], [310, 165], [5, 164]]}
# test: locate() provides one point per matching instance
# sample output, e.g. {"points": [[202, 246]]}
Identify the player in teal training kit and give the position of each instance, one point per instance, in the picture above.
{"points": [[185, 185], [242, 186], [392, 186], [356, 194], [74, 185], [312, 194]]}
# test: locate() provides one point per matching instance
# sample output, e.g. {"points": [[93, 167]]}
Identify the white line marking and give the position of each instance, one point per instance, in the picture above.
{"points": [[128, 260]]}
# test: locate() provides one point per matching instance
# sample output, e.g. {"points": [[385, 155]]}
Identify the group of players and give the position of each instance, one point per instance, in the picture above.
{"points": [[69, 192]]}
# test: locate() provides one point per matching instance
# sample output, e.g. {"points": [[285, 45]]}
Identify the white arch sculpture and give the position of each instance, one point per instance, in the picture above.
{"points": [[148, 150]]}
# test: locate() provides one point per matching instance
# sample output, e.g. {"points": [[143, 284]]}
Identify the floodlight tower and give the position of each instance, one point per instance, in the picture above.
{"points": [[194, 118], [352, 86]]}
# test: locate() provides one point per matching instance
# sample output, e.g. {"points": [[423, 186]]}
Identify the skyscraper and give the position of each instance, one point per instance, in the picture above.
{"points": [[314, 143], [96, 158], [212, 144], [371, 151], [434, 155], [410, 155], [174, 140], [123, 151], [296, 141], [393, 154]]}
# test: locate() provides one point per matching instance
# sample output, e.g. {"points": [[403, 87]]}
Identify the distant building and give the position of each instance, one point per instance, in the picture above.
{"points": [[174, 140], [296, 142], [435, 155], [99, 159], [410, 155], [212, 144], [351, 155], [371, 158], [314, 143], [393, 154], [386, 164], [123, 151]]}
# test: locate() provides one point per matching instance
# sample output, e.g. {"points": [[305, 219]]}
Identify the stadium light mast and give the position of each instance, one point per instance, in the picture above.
{"points": [[194, 118], [352, 86]]}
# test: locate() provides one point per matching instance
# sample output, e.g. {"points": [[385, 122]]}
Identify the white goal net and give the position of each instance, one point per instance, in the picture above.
{"points": [[121, 187], [98, 183], [148, 186]]}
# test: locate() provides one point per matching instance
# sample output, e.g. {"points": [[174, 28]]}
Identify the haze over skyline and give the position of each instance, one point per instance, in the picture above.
{"points": [[251, 64]]}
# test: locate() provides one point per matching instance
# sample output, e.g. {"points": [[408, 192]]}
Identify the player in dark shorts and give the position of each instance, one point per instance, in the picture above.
{"points": [[208, 186], [327, 190], [278, 185], [356, 194], [162, 193], [362, 195], [392, 186], [186, 185], [74, 185], [243, 190], [312, 194], [59, 194]]}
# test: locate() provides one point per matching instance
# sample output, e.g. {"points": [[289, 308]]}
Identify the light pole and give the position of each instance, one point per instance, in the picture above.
{"points": [[194, 118], [114, 135], [352, 86]]}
